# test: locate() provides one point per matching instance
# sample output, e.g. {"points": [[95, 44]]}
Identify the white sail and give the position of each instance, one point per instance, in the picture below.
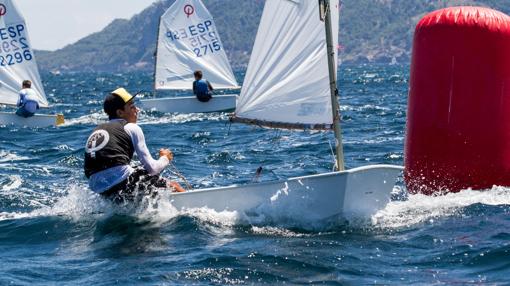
{"points": [[188, 41], [287, 81], [17, 61]]}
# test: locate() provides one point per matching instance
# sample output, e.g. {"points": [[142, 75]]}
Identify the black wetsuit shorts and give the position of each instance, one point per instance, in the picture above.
{"points": [[136, 186]]}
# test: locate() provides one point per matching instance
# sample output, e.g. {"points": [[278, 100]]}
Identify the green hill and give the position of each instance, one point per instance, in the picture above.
{"points": [[370, 31]]}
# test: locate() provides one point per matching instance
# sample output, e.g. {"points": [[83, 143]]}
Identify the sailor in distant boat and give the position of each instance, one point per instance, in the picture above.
{"points": [[110, 149], [27, 101], [202, 88]]}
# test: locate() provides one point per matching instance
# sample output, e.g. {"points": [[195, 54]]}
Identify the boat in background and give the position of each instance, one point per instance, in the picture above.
{"points": [[17, 63], [188, 41], [291, 83]]}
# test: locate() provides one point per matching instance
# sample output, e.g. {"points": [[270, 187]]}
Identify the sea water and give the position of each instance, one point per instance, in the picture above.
{"points": [[54, 231]]}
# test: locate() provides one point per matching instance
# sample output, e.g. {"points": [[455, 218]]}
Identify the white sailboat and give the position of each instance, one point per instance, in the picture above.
{"points": [[188, 41], [17, 63], [291, 83]]}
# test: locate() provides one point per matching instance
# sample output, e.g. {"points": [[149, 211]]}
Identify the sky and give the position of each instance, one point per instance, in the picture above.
{"points": [[53, 24]]}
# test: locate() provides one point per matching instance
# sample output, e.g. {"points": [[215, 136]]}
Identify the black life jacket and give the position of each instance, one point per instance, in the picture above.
{"points": [[108, 146]]}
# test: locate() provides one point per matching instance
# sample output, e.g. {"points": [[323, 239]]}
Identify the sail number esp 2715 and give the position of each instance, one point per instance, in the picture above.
{"points": [[201, 37]]}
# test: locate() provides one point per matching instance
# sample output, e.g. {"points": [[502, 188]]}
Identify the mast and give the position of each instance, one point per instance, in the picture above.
{"points": [[325, 14], [156, 57]]}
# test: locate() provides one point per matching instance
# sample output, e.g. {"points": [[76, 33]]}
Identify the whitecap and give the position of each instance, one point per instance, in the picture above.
{"points": [[9, 157], [181, 118], [94, 118], [13, 182], [418, 209]]}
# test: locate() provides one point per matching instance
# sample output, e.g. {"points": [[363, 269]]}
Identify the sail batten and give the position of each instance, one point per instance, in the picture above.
{"points": [[287, 81], [17, 61], [188, 41]]}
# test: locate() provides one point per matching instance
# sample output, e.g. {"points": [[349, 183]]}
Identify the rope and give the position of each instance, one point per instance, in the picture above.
{"points": [[176, 172], [333, 155], [229, 126]]}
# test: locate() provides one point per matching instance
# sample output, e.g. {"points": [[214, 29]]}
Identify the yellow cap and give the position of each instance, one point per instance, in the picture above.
{"points": [[124, 94]]}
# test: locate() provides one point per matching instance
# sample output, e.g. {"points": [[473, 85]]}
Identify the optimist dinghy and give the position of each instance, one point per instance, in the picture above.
{"points": [[17, 63], [188, 41], [291, 83]]}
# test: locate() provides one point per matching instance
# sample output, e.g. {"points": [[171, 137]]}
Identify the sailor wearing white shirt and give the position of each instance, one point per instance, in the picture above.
{"points": [[110, 148], [27, 101]]}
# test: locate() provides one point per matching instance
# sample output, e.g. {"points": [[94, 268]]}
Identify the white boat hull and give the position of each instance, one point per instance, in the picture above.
{"points": [[336, 196], [36, 121], [190, 104]]}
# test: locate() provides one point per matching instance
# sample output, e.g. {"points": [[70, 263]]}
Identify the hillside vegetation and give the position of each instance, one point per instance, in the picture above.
{"points": [[370, 31]]}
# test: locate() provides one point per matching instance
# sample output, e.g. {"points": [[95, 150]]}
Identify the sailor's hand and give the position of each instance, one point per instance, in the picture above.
{"points": [[176, 188], [167, 153]]}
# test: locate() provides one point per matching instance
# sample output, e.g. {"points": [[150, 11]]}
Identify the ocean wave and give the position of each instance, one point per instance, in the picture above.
{"points": [[421, 209], [377, 140], [10, 183], [362, 108], [147, 118], [9, 157], [80, 204], [93, 118], [181, 118], [77, 203]]}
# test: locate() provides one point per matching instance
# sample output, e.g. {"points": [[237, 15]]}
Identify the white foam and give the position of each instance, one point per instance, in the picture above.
{"points": [[94, 118], [419, 209], [376, 140], [145, 118], [80, 203], [13, 183], [9, 157], [364, 108], [181, 118], [224, 218], [275, 231]]}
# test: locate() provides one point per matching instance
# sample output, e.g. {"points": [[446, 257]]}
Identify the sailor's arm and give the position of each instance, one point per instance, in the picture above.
{"points": [[152, 166], [21, 98]]}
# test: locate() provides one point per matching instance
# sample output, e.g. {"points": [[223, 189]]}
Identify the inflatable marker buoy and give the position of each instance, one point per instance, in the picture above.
{"points": [[458, 120]]}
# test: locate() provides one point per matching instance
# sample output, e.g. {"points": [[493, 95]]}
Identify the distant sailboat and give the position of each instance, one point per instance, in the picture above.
{"points": [[188, 41], [17, 63], [291, 83]]}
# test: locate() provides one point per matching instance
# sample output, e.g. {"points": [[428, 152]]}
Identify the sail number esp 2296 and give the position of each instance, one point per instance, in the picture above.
{"points": [[14, 48]]}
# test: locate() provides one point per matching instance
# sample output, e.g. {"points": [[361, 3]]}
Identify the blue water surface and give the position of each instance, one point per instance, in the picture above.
{"points": [[54, 231]]}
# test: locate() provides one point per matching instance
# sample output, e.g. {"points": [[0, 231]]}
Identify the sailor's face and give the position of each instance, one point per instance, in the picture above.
{"points": [[130, 112]]}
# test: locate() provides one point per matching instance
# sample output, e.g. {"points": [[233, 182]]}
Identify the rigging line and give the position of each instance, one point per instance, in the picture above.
{"points": [[332, 155], [139, 92], [276, 141], [176, 172], [229, 122]]}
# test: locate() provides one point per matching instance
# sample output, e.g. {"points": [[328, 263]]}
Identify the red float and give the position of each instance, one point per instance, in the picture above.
{"points": [[458, 121]]}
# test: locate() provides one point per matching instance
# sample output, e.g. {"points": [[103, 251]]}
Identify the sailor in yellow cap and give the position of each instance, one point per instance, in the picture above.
{"points": [[110, 148]]}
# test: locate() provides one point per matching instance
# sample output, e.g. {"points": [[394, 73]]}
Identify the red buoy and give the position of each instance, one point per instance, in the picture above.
{"points": [[458, 120]]}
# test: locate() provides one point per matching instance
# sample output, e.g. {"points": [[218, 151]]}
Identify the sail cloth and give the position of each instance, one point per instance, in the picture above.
{"points": [[17, 61], [188, 41], [287, 81]]}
